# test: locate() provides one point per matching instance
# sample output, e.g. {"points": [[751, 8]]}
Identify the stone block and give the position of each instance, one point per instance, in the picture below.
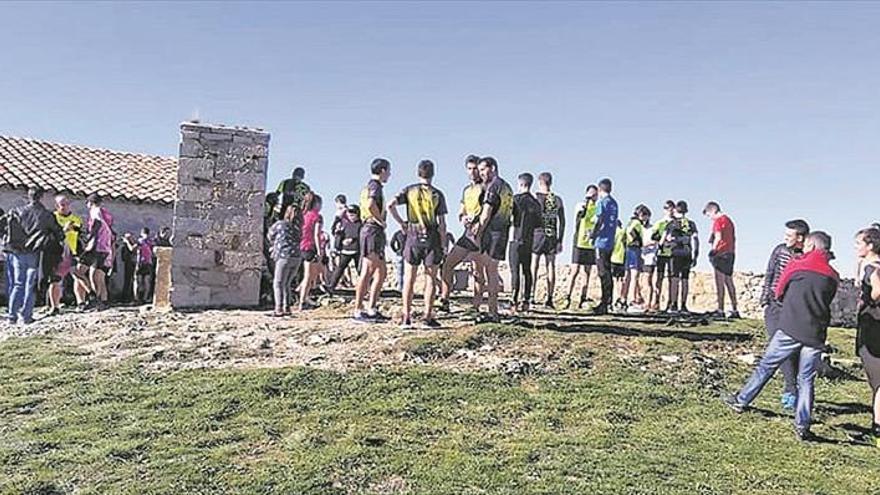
{"points": [[162, 289], [195, 193], [188, 296], [184, 226], [190, 148], [186, 257], [203, 277], [195, 170], [216, 136], [238, 260]]}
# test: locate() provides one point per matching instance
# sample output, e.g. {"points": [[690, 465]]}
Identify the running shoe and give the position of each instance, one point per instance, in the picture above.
{"points": [[361, 317], [430, 324], [406, 324], [549, 304], [600, 310], [734, 404], [803, 434], [789, 401], [488, 318], [684, 310], [733, 315], [378, 317], [443, 306]]}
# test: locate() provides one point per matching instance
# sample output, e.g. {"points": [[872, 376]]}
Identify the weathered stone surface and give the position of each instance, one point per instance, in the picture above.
{"points": [[218, 224], [162, 289]]}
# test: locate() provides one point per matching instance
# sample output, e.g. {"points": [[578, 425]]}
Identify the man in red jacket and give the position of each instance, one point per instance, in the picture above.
{"points": [[806, 288]]}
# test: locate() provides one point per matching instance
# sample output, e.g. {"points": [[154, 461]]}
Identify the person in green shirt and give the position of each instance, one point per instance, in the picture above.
{"points": [[583, 255], [664, 254], [618, 257], [633, 240]]}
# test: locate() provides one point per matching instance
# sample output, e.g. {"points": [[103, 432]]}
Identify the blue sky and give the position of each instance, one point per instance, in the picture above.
{"points": [[772, 109]]}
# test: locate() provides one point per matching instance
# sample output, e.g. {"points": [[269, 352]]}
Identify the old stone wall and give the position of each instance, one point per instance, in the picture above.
{"points": [[218, 214]]}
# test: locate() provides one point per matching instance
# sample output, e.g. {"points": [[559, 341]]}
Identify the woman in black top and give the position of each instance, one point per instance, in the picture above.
{"points": [[868, 337]]}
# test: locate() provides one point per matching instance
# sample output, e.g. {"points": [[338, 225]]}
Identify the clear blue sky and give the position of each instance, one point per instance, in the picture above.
{"points": [[772, 109]]}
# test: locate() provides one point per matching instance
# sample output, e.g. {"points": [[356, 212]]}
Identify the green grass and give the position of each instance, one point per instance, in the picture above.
{"points": [[598, 425]]}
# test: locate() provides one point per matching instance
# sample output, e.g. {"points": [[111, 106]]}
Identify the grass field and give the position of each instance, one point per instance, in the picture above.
{"points": [[621, 413]]}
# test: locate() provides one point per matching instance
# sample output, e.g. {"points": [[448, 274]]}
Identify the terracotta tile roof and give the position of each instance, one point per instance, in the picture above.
{"points": [[81, 170]]}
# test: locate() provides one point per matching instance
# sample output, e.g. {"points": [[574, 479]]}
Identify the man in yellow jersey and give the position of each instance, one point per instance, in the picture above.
{"points": [[495, 220], [425, 228], [71, 224], [373, 241], [664, 254], [583, 256], [468, 245]]}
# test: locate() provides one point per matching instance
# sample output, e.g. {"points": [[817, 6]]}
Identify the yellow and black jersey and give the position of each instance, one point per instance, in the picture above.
{"points": [[472, 200], [425, 204], [499, 197], [373, 190]]}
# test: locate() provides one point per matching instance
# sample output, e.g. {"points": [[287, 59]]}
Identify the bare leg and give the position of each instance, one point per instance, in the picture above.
{"points": [[536, 262], [585, 291], [97, 278], [55, 295], [409, 280], [479, 280], [378, 282], [456, 256], [550, 261], [492, 276], [573, 272], [685, 286], [731, 291], [673, 291], [430, 291], [624, 286], [368, 266], [637, 287], [719, 290]]}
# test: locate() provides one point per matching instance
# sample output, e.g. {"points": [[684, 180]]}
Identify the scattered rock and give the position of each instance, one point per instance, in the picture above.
{"points": [[671, 358], [749, 358]]}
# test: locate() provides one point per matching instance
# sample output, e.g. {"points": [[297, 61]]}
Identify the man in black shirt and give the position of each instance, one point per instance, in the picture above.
{"points": [[548, 235], [347, 232], [526, 218]]}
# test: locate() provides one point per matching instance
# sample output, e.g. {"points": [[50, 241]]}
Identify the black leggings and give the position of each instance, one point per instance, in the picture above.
{"points": [[341, 266], [520, 261]]}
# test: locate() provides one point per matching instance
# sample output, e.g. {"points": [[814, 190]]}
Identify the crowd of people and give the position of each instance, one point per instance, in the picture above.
{"points": [[527, 229], [59, 254]]}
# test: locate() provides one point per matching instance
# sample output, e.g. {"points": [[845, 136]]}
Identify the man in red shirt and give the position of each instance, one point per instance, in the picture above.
{"points": [[722, 256]]}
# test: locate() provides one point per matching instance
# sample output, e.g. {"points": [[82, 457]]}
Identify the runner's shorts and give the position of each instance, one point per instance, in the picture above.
{"points": [[618, 270], [664, 267], [544, 244], [495, 244], [373, 241], [723, 262], [94, 259], [634, 259], [467, 242], [681, 267], [583, 257], [423, 249]]}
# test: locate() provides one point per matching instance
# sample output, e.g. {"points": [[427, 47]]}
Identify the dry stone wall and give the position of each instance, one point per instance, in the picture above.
{"points": [[218, 216]]}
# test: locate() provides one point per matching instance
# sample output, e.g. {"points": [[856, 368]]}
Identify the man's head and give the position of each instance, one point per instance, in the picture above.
{"points": [[315, 203], [681, 208], [605, 186], [868, 242], [525, 182], [145, 232], [592, 192], [381, 169], [94, 200], [817, 240], [128, 236], [353, 212], [299, 173], [62, 204], [341, 200], [472, 163], [165, 232], [35, 194], [488, 169], [796, 233], [545, 180], [426, 170], [642, 213], [669, 207], [712, 210]]}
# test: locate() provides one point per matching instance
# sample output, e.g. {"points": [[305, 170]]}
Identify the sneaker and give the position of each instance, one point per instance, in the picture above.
{"points": [[443, 306], [716, 314], [549, 304], [803, 434], [684, 310], [53, 312], [101, 306], [733, 315], [406, 324], [672, 309], [361, 317], [378, 317], [430, 324], [567, 303], [734, 404], [600, 310], [488, 318], [789, 401]]}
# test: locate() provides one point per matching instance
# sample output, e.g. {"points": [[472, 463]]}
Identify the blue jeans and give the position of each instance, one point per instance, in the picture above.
{"points": [[780, 348], [23, 292], [398, 261]]}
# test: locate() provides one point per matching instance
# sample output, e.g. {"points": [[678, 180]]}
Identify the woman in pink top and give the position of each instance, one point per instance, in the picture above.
{"points": [[98, 252], [312, 251]]}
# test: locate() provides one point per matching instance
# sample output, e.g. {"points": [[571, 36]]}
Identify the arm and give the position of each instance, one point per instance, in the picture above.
{"points": [[770, 278], [696, 250], [319, 227], [600, 214], [373, 206], [443, 238], [561, 216], [392, 208], [875, 285]]}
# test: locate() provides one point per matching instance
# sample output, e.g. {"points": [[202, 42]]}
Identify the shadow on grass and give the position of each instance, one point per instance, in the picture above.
{"points": [[841, 408], [605, 328]]}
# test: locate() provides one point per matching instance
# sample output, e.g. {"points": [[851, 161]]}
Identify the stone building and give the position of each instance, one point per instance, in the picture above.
{"points": [[139, 190]]}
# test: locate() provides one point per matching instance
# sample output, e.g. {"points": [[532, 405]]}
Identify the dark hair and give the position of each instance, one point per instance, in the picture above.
{"points": [[472, 159], [379, 165], [94, 199], [546, 178], [526, 178], [35, 194], [146, 230], [799, 226], [488, 160], [871, 236], [711, 207], [641, 210], [821, 240], [340, 198], [669, 205], [165, 229], [353, 209], [605, 185], [875, 225], [299, 173], [314, 201], [682, 206], [426, 169], [592, 186]]}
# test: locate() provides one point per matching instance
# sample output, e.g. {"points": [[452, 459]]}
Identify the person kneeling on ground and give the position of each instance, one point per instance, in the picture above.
{"points": [[807, 288]]}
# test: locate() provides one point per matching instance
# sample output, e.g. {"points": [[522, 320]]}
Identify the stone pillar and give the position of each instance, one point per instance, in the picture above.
{"points": [[217, 255]]}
